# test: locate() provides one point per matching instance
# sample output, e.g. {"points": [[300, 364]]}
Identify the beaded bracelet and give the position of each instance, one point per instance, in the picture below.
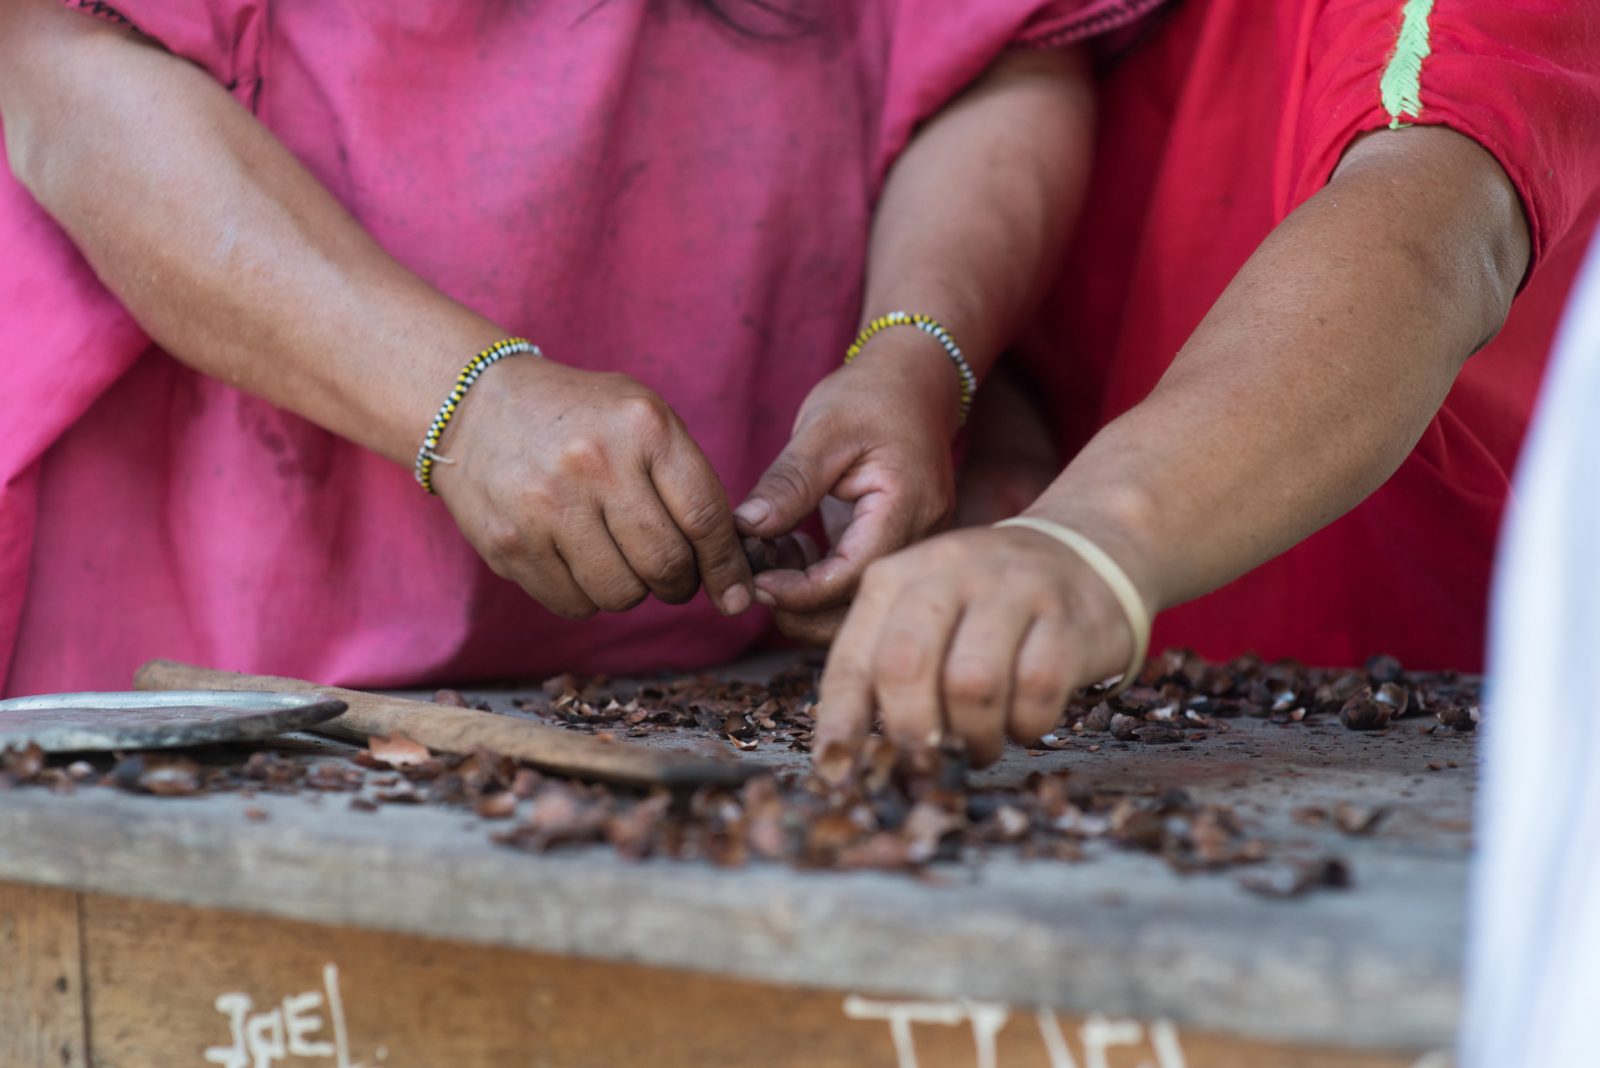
{"points": [[928, 325], [427, 456]]}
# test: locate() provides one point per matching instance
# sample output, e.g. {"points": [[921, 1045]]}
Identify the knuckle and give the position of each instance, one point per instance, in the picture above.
{"points": [[952, 550], [786, 479], [646, 415], [902, 662], [706, 518], [502, 543], [907, 729], [679, 587], [677, 584], [582, 457], [974, 684], [1038, 686], [540, 496], [666, 565]]}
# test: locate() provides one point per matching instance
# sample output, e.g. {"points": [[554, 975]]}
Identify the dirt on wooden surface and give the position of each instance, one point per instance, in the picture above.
{"points": [[875, 807]]}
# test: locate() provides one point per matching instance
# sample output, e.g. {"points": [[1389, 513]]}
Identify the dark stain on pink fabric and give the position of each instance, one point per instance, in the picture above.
{"points": [[305, 452], [189, 398], [630, 174]]}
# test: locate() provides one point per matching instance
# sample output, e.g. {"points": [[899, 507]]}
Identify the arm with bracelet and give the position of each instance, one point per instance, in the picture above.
{"points": [[584, 488], [967, 236], [1285, 344], [985, 633]]}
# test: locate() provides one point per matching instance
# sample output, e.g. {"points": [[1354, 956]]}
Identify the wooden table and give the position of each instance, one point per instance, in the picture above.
{"points": [[142, 931]]}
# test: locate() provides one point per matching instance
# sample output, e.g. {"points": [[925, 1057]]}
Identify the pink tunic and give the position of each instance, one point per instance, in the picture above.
{"points": [[630, 183]]}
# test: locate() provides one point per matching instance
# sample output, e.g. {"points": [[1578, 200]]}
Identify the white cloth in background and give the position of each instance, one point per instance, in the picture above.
{"points": [[1533, 967]]}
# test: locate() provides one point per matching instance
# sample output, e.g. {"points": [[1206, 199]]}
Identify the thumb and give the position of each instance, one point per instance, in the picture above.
{"points": [[792, 487]]}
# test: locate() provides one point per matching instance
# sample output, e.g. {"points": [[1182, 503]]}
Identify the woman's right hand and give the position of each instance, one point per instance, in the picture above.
{"points": [[587, 491], [973, 635]]}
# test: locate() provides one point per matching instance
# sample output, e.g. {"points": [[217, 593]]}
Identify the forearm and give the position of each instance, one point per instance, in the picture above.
{"points": [[1315, 373], [227, 252], [978, 209]]}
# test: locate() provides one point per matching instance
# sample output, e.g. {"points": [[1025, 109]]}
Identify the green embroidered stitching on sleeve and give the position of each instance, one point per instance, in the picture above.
{"points": [[1401, 86]]}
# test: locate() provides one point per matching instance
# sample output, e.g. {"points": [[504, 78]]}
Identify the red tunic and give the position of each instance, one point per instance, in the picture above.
{"points": [[1228, 115]]}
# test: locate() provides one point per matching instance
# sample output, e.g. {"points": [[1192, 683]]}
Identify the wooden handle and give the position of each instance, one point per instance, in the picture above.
{"points": [[461, 730]]}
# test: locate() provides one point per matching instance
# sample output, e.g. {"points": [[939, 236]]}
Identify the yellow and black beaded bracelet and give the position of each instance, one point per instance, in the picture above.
{"points": [[930, 326], [428, 455]]}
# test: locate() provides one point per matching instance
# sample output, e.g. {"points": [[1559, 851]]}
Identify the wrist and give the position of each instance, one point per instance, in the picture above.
{"points": [[1121, 520], [470, 429], [915, 370]]}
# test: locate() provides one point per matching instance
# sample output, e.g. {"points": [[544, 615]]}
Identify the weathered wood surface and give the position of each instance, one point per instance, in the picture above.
{"points": [[1373, 968], [41, 982], [239, 991]]}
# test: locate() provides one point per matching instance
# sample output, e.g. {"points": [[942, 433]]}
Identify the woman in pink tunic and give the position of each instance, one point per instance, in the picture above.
{"points": [[226, 323]]}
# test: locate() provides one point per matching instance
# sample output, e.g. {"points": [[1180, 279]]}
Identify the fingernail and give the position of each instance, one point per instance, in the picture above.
{"points": [[754, 511], [736, 600], [765, 598]]}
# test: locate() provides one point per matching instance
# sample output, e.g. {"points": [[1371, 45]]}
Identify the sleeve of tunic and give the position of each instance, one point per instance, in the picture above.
{"points": [[934, 49], [224, 37], [63, 340], [66, 338], [1522, 79]]}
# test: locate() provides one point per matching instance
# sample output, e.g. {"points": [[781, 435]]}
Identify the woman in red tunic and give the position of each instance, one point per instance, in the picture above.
{"points": [[1323, 208]]}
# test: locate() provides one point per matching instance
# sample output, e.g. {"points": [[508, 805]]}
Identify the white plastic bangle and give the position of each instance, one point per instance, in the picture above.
{"points": [[1111, 573]]}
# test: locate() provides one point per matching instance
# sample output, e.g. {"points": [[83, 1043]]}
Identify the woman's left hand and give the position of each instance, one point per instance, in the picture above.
{"points": [[970, 227], [974, 635], [875, 437]]}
